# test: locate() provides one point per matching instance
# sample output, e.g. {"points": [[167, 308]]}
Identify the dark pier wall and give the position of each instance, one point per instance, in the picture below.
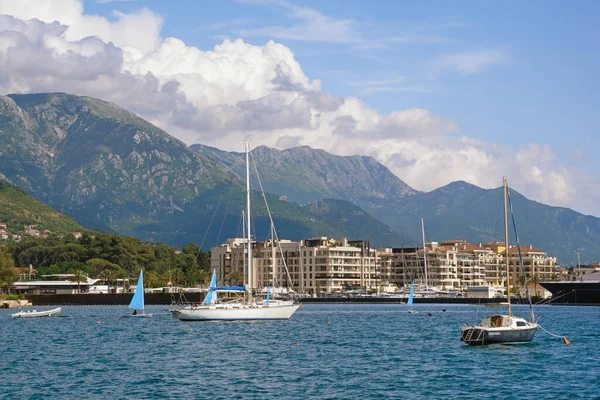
{"points": [[108, 299]]}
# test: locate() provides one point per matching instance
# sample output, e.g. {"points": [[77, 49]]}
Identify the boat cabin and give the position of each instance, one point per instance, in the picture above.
{"points": [[503, 321]]}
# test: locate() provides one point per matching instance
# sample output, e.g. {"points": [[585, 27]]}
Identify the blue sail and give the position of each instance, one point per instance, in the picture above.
{"points": [[268, 295], [411, 294], [137, 302], [208, 299]]}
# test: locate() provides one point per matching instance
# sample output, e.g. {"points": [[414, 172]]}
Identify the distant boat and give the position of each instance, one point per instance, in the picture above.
{"points": [[137, 301], [247, 308], [410, 297], [502, 328], [35, 314]]}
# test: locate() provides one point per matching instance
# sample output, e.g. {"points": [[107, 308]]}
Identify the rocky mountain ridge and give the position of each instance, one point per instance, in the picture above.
{"points": [[111, 170]]}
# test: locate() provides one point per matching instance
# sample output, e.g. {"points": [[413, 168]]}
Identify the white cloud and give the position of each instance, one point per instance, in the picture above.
{"points": [[113, 1], [311, 26], [471, 62], [305, 24], [239, 90]]}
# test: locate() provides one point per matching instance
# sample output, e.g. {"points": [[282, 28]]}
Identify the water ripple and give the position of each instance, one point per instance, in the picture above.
{"points": [[324, 351]]}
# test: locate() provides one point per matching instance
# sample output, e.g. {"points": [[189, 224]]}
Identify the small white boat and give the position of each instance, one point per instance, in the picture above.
{"points": [[35, 314], [503, 328]]}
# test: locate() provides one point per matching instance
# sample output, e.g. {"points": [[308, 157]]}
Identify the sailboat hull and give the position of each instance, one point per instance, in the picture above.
{"points": [[37, 314], [138, 316], [479, 336], [237, 312]]}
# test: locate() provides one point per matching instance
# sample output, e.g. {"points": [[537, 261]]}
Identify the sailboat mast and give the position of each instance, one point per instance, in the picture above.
{"points": [[273, 254], [247, 146], [424, 252], [301, 267], [504, 184]]}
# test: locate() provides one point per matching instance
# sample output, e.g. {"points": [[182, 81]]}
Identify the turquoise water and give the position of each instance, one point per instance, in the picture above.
{"points": [[367, 351]]}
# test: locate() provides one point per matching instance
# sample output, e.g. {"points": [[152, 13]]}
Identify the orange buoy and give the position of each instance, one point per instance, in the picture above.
{"points": [[566, 341]]}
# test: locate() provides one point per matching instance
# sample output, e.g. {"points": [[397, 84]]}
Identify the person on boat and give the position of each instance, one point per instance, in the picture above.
{"points": [[134, 312]]}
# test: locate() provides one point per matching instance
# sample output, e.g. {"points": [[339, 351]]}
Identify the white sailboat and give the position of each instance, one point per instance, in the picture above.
{"points": [[502, 328], [248, 308], [137, 301], [423, 289]]}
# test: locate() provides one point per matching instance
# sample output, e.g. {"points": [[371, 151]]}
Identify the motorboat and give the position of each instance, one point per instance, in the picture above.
{"points": [[36, 314]]}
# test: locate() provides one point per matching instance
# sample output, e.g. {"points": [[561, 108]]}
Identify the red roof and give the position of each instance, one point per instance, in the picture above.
{"points": [[524, 249]]}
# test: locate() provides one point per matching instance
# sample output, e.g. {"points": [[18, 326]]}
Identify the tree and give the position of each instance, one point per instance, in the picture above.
{"points": [[236, 276], [109, 275], [535, 280], [78, 276], [101, 265], [8, 274]]}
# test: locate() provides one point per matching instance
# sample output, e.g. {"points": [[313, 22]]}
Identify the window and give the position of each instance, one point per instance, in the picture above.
{"points": [[521, 323]]}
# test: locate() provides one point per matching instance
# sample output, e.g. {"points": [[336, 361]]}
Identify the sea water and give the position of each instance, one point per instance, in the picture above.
{"points": [[334, 351]]}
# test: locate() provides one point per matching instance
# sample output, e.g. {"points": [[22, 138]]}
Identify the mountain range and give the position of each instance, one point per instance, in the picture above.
{"points": [[109, 169], [458, 210]]}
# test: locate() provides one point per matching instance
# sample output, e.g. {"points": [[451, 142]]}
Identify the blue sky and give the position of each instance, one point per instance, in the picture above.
{"points": [[437, 91], [543, 90]]}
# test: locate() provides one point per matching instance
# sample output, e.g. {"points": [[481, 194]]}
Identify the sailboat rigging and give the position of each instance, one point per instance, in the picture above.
{"points": [[247, 308], [503, 328], [424, 254]]}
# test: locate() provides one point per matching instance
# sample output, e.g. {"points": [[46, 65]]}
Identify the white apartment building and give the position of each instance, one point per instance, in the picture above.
{"points": [[310, 266], [327, 265], [457, 265]]}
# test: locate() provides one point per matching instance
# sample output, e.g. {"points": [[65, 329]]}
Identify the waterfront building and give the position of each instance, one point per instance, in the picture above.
{"points": [[455, 265], [327, 265], [310, 266], [56, 284]]}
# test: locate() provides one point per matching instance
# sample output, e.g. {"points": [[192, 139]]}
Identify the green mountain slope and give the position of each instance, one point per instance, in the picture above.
{"points": [[109, 169], [17, 209]]}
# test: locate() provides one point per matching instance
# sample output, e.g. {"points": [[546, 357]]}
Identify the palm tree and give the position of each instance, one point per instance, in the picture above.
{"points": [[109, 275], [235, 276], [203, 277], [78, 276], [535, 280]]}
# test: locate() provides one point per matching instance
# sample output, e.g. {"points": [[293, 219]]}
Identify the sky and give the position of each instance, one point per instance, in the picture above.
{"points": [[437, 91]]}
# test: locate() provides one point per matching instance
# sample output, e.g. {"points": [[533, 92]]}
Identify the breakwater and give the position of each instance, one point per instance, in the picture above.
{"points": [[109, 299], [399, 300], [171, 298]]}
